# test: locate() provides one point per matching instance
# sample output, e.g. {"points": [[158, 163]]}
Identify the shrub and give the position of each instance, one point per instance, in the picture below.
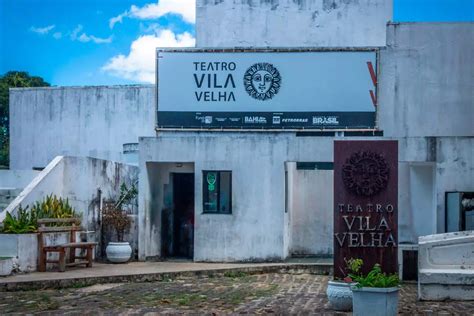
{"points": [[23, 223], [376, 278], [54, 207]]}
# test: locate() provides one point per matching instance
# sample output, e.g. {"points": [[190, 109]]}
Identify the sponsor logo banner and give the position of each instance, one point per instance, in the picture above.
{"points": [[296, 120]]}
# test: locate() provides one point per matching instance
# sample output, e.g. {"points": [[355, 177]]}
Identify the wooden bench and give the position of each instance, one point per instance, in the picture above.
{"points": [[63, 249]]}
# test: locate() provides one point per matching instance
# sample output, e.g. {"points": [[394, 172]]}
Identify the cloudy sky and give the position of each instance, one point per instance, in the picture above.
{"points": [[93, 42]]}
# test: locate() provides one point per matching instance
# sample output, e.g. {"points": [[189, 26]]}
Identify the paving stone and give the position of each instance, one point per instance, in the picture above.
{"points": [[264, 294]]}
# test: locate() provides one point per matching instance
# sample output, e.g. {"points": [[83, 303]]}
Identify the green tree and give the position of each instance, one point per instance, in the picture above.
{"points": [[12, 79]]}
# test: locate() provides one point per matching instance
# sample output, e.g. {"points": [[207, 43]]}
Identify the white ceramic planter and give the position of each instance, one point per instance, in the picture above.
{"points": [[6, 266], [118, 252], [340, 295], [375, 301]]}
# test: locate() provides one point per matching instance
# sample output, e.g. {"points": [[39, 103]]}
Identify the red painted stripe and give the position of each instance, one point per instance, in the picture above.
{"points": [[372, 73], [372, 96]]}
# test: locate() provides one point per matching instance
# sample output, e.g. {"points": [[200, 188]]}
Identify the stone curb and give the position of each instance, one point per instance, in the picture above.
{"points": [[319, 269]]}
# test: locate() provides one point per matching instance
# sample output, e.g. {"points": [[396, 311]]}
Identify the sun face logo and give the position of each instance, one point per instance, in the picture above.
{"points": [[262, 81], [365, 173]]}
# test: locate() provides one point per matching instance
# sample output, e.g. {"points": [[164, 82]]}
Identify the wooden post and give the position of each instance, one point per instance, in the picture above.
{"points": [[89, 256], [62, 260], [41, 254]]}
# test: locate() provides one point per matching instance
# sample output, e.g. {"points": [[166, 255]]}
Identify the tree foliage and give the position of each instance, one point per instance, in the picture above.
{"points": [[12, 79]]}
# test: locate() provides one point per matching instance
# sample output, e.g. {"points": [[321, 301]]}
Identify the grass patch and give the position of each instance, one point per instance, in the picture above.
{"points": [[235, 274]]}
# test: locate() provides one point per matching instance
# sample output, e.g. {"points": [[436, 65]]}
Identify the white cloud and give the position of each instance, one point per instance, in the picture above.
{"points": [[42, 30], [139, 65], [75, 32], [116, 19], [185, 8], [84, 38], [57, 35]]}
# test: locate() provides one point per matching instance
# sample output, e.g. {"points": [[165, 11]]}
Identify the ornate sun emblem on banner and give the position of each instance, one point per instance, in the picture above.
{"points": [[365, 173], [262, 81]]}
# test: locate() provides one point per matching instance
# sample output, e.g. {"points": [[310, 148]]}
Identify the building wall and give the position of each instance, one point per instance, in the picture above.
{"points": [[425, 98], [290, 23], [77, 121], [259, 228], [311, 213], [426, 80], [16, 178]]}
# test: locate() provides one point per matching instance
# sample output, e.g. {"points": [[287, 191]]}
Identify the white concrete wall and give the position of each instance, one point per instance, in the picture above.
{"points": [[78, 179], [310, 23], [426, 80], [454, 171], [254, 231], [446, 266], [16, 178], [258, 229], [416, 200], [77, 121], [311, 214]]}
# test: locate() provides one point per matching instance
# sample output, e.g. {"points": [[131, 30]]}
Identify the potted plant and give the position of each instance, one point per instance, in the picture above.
{"points": [[339, 291], [115, 217], [18, 238], [18, 241], [375, 293]]}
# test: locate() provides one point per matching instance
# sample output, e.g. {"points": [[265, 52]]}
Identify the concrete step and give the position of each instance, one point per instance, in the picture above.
{"points": [[151, 271]]}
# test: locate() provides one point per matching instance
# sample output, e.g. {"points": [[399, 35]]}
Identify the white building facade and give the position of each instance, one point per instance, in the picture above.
{"points": [[278, 185]]}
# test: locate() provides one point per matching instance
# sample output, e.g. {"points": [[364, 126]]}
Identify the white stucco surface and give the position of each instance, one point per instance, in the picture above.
{"points": [[77, 121], [426, 80], [23, 248], [310, 23], [259, 228], [16, 178], [311, 213], [446, 266]]}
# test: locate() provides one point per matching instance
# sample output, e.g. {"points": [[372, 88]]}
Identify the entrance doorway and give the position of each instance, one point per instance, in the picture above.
{"points": [[182, 217]]}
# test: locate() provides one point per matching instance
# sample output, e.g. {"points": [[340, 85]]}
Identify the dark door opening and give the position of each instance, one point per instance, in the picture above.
{"points": [[180, 221]]}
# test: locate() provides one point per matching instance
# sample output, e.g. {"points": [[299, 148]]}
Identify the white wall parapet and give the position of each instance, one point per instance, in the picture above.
{"points": [[446, 266]]}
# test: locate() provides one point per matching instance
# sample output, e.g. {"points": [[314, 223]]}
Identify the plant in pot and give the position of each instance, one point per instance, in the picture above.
{"points": [[375, 293], [16, 234], [339, 291], [115, 218]]}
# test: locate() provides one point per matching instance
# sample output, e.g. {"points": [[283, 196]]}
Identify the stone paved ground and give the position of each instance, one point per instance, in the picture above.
{"points": [[235, 293]]}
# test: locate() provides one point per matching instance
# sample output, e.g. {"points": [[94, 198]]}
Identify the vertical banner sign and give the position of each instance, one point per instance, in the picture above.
{"points": [[365, 204]]}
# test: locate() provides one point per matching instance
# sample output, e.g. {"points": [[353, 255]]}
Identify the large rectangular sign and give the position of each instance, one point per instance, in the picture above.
{"points": [[265, 89], [365, 204]]}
